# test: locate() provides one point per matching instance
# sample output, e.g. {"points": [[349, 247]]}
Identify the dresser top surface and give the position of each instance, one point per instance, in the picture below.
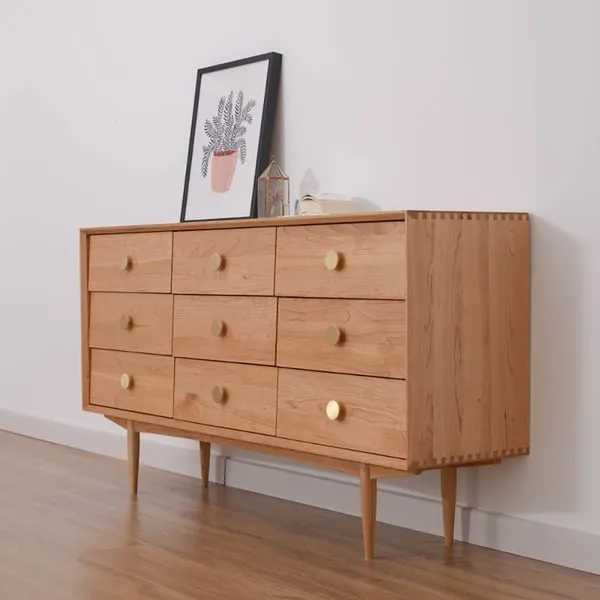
{"points": [[367, 217]]}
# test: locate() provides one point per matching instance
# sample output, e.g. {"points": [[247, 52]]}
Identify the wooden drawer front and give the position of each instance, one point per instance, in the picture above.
{"points": [[137, 382], [363, 337], [242, 397], [225, 328], [130, 262], [372, 411], [134, 322], [360, 260], [234, 261]]}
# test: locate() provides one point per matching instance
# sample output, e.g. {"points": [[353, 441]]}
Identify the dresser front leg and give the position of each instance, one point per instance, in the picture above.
{"points": [[133, 453], [449, 479], [204, 462], [368, 497]]}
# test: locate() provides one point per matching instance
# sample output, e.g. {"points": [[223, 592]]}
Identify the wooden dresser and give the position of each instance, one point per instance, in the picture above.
{"points": [[380, 344]]}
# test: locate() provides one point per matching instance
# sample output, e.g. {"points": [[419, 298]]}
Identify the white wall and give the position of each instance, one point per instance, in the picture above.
{"points": [[466, 104]]}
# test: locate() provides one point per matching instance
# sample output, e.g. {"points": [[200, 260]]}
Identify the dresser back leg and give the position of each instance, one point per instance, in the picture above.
{"points": [[368, 497], [204, 462], [449, 478], [133, 454]]}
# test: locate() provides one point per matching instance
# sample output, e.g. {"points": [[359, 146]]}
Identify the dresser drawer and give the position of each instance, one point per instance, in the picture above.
{"points": [[236, 261], [365, 413], [242, 397], [130, 262], [363, 337], [137, 382], [350, 260], [227, 328], [133, 322]]}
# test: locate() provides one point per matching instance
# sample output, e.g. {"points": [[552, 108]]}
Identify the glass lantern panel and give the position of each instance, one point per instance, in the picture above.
{"points": [[275, 198]]}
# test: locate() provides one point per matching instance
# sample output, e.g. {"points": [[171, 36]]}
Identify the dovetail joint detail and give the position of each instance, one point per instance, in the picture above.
{"points": [[468, 459], [468, 216]]}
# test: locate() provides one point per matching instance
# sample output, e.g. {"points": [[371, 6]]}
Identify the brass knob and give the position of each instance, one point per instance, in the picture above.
{"points": [[217, 328], [126, 381], [126, 322], [216, 261], [333, 260], [333, 335], [333, 410], [125, 263], [219, 394]]}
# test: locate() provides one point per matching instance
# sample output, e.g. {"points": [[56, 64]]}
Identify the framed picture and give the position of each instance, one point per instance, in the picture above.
{"points": [[230, 139]]}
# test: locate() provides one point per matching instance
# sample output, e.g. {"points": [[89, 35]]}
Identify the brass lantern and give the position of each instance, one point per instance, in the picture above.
{"points": [[273, 192]]}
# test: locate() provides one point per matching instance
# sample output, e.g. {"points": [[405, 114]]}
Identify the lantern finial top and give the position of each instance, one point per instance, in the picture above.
{"points": [[273, 171]]}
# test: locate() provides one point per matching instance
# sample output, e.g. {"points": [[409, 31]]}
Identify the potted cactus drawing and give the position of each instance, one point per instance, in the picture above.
{"points": [[226, 140]]}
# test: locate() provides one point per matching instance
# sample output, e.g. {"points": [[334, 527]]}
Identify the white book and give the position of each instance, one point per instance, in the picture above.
{"points": [[327, 204]]}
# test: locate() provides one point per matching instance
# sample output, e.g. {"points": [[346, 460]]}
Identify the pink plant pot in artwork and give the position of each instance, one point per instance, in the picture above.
{"points": [[222, 170]]}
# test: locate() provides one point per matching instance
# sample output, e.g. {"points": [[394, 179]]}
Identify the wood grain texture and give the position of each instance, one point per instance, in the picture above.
{"points": [[70, 531], [249, 328], [151, 316], [233, 436], [250, 395], [152, 382], [204, 462], [150, 255], [373, 411], [336, 464], [368, 507], [468, 337], [449, 479], [248, 261], [133, 456], [510, 307], [373, 261], [84, 316], [373, 336], [366, 217]]}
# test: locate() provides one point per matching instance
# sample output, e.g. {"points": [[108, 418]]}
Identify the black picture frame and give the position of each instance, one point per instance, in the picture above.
{"points": [[265, 135]]}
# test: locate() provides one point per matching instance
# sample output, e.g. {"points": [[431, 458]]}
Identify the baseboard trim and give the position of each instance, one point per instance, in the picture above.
{"points": [[325, 489], [307, 485], [161, 452]]}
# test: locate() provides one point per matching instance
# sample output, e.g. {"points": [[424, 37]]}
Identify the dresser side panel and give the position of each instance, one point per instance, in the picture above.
{"points": [[84, 317], [468, 337], [510, 327]]}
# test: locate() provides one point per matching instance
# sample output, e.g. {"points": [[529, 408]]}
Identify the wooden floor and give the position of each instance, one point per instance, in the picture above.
{"points": [[69, 530]]}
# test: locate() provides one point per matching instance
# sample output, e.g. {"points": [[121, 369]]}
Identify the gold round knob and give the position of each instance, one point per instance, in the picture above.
{"points": [[125, 263], [217, 328], [216, 262], [333, 410], [219, 394], [126, 322], [333, 260], [126, 381], [333, 335]]}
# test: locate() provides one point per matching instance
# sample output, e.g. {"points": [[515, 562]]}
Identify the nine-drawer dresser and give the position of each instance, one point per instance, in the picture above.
{"points": [[380, 344]]}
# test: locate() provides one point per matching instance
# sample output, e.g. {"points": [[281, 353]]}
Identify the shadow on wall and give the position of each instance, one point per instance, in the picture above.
{"points": [[278, 137], [278, 149], [548, 480]]}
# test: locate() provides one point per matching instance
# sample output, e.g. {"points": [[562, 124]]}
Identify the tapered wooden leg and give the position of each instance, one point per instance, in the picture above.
{"points": [[205, 462], [368, 498], [449, 477], [133, 453]]}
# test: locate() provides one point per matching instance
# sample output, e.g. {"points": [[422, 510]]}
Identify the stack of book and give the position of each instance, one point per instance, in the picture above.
{"points": [[327, 204]]}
